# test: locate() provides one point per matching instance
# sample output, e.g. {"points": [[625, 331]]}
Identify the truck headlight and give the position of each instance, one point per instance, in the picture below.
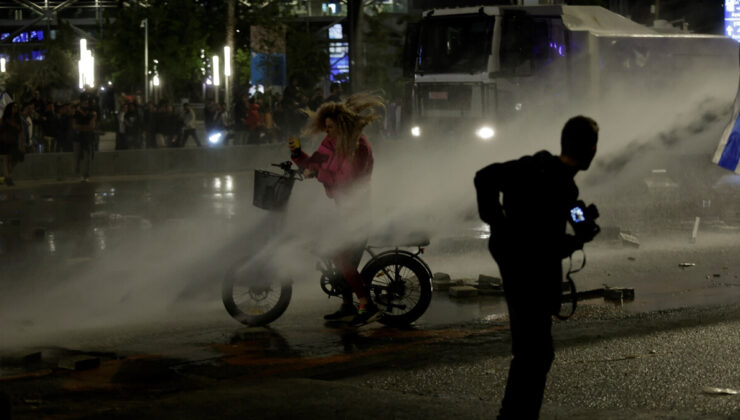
{"points": [[416, 131], [485, 132]]}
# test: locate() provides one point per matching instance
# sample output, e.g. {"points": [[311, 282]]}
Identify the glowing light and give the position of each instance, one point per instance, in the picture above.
{"points": [[416, 131], [86, 66], [156, 80], [214, 139], [229, 183], [216, 76], [2, 64], [485, 133], [227, 61], [254, 89]]}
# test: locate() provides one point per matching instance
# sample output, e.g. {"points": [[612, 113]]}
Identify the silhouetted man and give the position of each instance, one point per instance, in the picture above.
{"points": [[528, 241]]}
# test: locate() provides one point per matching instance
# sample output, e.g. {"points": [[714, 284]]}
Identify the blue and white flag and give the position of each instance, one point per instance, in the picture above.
{"points": [[728, 151]]}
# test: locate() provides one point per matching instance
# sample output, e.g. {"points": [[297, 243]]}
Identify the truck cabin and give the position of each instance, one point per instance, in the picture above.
{"points": [[477, 68]]}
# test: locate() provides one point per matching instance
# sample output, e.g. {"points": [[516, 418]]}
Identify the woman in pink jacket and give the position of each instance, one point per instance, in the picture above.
{"points": [[343, 163]]}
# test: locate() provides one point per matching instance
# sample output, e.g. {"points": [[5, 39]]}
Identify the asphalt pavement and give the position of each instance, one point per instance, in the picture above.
{"points": [[110, 309]]}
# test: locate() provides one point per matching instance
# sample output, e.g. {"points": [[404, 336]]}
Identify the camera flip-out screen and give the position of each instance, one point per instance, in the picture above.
{"points": [[577, 215]]}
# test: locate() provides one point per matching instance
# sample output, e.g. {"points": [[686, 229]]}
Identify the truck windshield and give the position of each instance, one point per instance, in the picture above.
{"points": [[454, 44]]}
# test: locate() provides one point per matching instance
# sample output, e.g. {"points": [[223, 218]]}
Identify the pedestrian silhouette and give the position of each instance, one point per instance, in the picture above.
{"points": [[528, 241]]}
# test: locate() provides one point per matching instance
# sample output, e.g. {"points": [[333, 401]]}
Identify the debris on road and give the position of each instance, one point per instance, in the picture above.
{"points": [[31, 358], [686, 264], [619, 294], [441, 282], [463, 291], [719, 391], [629, 239], [79, 363], [488, 285]]}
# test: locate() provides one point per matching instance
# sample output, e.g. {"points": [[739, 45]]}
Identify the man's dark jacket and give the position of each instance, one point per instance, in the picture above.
{"points": [[528, 227]]}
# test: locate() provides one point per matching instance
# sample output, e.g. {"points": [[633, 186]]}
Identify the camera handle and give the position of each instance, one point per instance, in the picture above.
{"points": [[572, 285]]}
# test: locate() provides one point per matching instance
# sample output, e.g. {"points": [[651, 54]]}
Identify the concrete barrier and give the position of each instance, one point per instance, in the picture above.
{"points": [[39, 166]]}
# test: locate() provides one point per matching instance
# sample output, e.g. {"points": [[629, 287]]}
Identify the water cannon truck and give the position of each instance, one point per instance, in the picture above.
{"points": [[478, 69]]}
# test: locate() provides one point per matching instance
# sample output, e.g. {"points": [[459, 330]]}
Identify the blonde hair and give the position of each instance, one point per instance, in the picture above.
{"points": [[350, 117]]}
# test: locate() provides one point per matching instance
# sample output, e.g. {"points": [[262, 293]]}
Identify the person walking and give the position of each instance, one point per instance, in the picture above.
{"points": [[529, 241], [132, 126], [188, 129], [12, 142], [151, 118], [84, 122], [343, 163]]}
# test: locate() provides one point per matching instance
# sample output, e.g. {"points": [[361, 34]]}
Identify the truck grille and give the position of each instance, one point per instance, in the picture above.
{"points": [[444, 98]]}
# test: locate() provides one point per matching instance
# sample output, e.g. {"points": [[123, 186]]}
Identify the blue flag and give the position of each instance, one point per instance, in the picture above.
{"points": [[728, 151]]}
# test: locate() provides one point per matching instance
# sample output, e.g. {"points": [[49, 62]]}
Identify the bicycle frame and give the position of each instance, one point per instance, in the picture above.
{"points": [[330, 277]]}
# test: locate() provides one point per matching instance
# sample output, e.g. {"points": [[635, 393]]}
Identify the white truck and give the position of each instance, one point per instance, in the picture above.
{"points": [[476, 68]]}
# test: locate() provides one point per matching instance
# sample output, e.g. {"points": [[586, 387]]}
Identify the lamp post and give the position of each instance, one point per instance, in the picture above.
{"points": [[216, 76], [227, 77], [145, 25]]}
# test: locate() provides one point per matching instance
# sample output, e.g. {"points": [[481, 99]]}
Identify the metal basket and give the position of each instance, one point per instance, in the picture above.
{"points": [[271, 191]]}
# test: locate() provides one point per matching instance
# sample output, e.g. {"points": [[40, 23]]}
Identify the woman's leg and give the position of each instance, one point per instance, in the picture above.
{"points": [[347, 262]]}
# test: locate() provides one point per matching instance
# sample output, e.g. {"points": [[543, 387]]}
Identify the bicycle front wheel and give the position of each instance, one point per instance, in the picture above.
{"points": [[400, 286], [253, 294]]}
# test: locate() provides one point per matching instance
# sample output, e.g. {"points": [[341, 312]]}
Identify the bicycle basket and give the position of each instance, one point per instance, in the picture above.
{"points": [[271, 191]]}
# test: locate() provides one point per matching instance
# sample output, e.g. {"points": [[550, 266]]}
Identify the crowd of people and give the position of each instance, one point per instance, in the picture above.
{"points": [[40, 125], [252, 119], [262, 119]]}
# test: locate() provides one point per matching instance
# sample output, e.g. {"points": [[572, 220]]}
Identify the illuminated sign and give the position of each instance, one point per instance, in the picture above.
{"points": [[732, 19], [23, 37], [338, 61]]}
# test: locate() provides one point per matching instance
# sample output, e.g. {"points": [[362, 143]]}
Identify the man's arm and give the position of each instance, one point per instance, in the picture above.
{"points": [[488, 186]]}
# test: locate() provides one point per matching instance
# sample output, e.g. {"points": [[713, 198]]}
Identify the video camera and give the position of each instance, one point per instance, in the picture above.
{"points": [[583, 220]]}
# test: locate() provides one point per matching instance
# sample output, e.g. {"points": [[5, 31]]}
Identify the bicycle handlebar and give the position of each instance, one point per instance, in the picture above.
{"points": [[288, 170]]}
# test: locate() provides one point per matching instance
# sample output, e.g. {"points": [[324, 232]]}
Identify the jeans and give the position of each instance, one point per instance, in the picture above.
{"points": [[83, 149]]}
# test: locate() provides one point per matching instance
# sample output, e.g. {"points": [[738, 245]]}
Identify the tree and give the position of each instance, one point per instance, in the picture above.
{"points": [[58, 69], [176, 37], [308, 55], [382, 52]]}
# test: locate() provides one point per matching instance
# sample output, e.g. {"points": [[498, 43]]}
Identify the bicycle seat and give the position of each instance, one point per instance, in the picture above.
{"points": [[399, 239]]}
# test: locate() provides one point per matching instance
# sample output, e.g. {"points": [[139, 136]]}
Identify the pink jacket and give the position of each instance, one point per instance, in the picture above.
{"points": [[338, 174]]}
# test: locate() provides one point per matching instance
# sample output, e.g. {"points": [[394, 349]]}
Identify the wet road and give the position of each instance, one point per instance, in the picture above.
{"points": [[127, 271]]}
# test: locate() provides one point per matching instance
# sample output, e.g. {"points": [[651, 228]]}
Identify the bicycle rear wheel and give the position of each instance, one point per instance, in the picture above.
{"points": [[400, 286], [254, 294]]}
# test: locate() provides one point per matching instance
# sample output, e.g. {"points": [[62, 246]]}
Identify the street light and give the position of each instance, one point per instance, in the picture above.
{"points": [[2, 64], [145, 24], [86, 66], [216, 76], [227, 76]]}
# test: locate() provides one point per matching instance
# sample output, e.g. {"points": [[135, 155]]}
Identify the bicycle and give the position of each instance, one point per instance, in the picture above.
{"points": [[399, 281]]}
